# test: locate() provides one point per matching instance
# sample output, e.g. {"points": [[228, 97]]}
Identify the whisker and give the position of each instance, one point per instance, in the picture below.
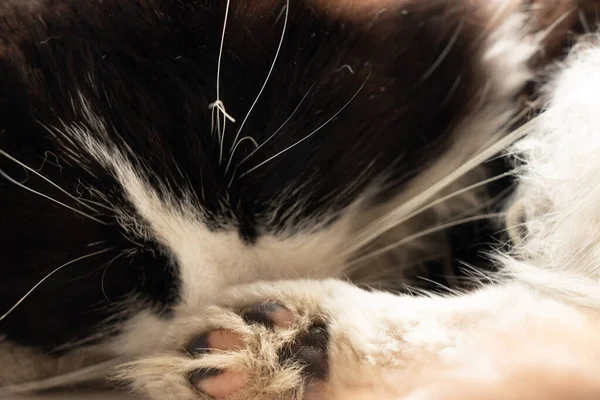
{"points": [[100, 267], [221, 135], [11, 180], [389, 221], [439, 285], [432, 230], [310, 134], [512, 122], [92, 244], [250, 138], [121, 254], [548, 31], [443, 54], [454, 194], [6, 314], [269, 138], [478, 276], [3, 153], [221, 53], [237, 135], [583, 22], [139, 245], [383, 273], [281, 127], [98, 204], [218, 106]]}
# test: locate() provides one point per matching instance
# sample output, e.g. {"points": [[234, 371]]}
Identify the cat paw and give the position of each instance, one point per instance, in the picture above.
{"points": [[270, 341], [278, 352]]}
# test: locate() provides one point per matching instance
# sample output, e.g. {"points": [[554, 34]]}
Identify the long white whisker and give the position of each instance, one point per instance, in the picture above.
{"points": [[228, 164], [237, 135], [310, 134], [6, 314], [514, 120], [11, 180], [250, 138], [121, 254], [269, 138], [222, 135], [548, 31], [98, 204], [583, 22], [421, 234], [390, 220], [443, 54], [454, 194], [218, 106], [5, 154], [470, 212], [281, 127], [221, 50]]}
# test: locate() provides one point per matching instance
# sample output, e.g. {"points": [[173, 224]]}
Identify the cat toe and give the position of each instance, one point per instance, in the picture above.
{"points": [[219, 384], [309, 350], [269, 314], [220, 339], [215, 382]]}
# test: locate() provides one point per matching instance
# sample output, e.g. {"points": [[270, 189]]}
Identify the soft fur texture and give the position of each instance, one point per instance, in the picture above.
{"points": [[114, 130], [156, 153], [555, 218], [532, 334]]}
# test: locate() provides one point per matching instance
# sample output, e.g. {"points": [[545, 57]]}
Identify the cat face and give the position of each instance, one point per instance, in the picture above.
{"points": [[156, 152]]}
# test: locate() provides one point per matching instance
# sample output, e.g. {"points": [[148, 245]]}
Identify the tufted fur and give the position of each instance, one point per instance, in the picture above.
{"points": [[555, 216]]}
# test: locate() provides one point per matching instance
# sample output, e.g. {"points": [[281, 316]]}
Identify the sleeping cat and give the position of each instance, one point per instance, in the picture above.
{"points": [[155, 154], [530, 333]]}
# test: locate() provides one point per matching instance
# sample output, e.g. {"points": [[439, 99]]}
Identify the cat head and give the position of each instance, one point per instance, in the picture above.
{"points": [[159, 151]]}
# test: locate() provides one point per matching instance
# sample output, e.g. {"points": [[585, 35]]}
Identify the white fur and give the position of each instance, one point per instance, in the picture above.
{"points": [[559, 192]]}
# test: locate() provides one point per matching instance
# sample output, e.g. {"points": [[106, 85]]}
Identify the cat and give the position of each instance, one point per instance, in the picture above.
{"points": [[155, 154], [529, 331]]}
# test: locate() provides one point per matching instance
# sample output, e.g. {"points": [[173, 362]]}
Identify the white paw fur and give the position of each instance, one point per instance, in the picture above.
{"points": [[557, 205]]}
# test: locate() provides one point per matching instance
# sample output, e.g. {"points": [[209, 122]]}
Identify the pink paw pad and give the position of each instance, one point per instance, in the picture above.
{"points": [[221, 384]]}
